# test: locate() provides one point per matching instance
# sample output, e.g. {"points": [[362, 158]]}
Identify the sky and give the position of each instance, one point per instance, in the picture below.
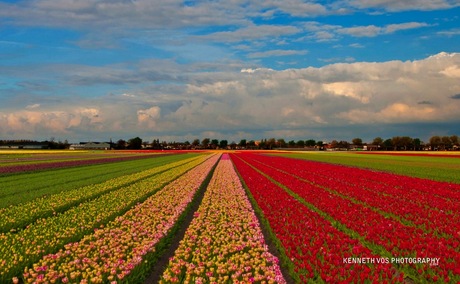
{"points": [[89, 70]]}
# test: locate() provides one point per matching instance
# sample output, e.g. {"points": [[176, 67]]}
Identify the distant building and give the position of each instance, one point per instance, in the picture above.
{"points": [[371, 147], [90, 146], [24, 145]]}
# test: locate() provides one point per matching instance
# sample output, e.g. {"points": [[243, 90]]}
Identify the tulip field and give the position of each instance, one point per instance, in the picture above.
{"points": [[343, 224], [226, 217]]}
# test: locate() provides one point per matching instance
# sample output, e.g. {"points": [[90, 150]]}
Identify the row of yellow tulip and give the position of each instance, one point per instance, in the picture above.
{"points": [[112, 253], [224, 243], [15, 217], [25, 247]]}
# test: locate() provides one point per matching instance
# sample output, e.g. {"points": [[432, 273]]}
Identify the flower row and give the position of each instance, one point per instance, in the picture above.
{"points": [[66, 164], [224, 242], [406, 199], [47, 235], [383, 233], [401, 201], [15, 217], [23, 157], [115, 251], [315, 247]]}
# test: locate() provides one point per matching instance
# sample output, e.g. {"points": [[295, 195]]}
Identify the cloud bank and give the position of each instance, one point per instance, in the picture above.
{"points": [[244, 102]]}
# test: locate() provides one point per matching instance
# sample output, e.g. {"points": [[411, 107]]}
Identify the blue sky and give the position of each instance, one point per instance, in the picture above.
{"points": [[180, 70]]}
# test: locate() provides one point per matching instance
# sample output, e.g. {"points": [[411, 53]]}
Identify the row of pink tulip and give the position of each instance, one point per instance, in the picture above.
{"points": [[112, 253], [15, 217], [224, 242], [48, 235], [65, 164]]}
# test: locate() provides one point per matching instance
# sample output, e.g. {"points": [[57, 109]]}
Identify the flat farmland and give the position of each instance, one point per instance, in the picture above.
{"points": [[229, 217], [442, 166]]}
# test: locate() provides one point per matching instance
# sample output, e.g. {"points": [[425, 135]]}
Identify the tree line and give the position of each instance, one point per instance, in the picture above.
{"points": [[396, 143]]}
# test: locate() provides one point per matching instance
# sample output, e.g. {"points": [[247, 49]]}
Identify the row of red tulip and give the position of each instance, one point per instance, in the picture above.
{"points": [[224, 242], [379, 229], [407, 199], [318, 250]]}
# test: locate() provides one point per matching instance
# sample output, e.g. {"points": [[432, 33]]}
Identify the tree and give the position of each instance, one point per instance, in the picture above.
{"points": [[121, 144], [396, 142], [300, 144], [223, 144], [334, 144], [435, 142], [357, 141], [343, 144], [281, 143], [205, 142], [310, 143], [406, 142], [214, 143], [196, 143], [417, 144], [155, 144], [263, 144], [271, 143], [388, 144], [454, 140], [135, 143], [242, 143], [446, 143], [320, 144], [291, 144], [377, 141]]}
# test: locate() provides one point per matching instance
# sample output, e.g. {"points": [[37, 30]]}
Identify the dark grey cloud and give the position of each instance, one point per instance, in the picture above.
{"points": [[425, 103], [34, 86]]}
